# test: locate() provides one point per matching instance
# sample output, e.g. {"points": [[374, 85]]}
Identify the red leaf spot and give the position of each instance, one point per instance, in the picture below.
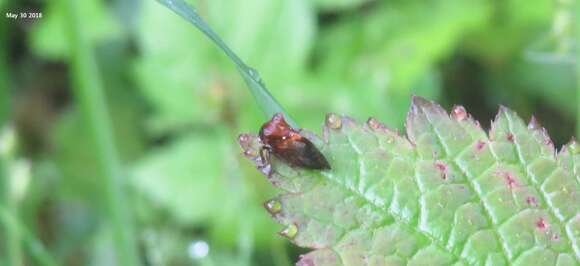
{"points": [[555, 237], [532, 201], [541, 224], [510, 180], [510, 137], [442, 167], [479, 145]]}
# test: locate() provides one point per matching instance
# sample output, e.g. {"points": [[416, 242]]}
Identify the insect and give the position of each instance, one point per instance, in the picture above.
{"points": [[287, 144]]}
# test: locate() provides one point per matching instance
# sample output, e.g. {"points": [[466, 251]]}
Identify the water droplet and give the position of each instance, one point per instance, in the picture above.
{"points": [[290, 231], [244, 138], [459, 113], [198, 249], [273, 206], [255, 75], [333, 121]]}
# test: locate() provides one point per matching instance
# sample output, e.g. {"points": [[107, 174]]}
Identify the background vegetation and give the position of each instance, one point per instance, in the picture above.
{"points": [[125, 118]]}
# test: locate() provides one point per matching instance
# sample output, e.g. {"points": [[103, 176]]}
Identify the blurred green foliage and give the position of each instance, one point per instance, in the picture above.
{"points": [[177, 104]]}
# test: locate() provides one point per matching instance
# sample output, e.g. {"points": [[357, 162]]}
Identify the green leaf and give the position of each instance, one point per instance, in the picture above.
{"points": [[184, 177], [447, 194], [100, 26], [189, 178], [394, 46]]}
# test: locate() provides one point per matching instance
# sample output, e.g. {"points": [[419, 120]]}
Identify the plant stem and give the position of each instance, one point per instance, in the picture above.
{"points": [[90, 98], [12, 250]]}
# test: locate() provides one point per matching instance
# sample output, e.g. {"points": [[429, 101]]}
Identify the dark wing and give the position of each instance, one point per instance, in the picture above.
{"points": [[302, 153]]}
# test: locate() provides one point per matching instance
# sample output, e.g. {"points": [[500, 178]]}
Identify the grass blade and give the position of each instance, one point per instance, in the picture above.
{"points": [[35, 248], [89, 96], [11, 253], [265, 100]]}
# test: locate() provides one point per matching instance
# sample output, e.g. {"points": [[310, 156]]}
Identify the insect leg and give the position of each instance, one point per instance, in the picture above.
{"points": [[265, 155]]}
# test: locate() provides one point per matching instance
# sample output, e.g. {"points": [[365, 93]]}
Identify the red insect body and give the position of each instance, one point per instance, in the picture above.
{"points": [[287, 144]]}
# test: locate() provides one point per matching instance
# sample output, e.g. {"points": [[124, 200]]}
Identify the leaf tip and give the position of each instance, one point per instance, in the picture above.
{"points": [[459, 113], [305, 260], [333, 121], [503, 110], [373, 123], [534, 124], [418, 101], [572, 146]]}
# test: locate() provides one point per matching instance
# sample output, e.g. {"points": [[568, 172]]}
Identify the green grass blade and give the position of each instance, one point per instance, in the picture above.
{"points": [[11, 251], [265, 100], [35, 248], [89, 97]]}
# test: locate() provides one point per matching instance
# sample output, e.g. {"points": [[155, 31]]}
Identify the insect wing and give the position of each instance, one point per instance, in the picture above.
{"points": [[303, 153]]}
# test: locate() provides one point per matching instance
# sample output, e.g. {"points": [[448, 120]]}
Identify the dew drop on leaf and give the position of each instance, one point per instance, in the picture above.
{"points": [[290, 231], [255, 75], [273, 206]]}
